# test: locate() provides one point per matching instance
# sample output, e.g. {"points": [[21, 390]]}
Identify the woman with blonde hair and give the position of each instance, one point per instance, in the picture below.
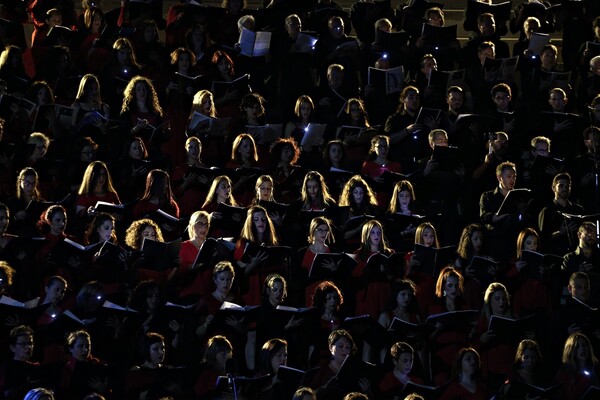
{"points": [[315, 194], [189, 180], [89, 110], [579, 368]]}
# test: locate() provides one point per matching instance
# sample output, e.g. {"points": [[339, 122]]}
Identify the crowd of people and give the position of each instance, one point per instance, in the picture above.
{"points": [[264, 206]]}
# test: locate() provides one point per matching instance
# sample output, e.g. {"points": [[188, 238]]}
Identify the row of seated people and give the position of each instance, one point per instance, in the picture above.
{"points": [[160, 350], [186, 75]]}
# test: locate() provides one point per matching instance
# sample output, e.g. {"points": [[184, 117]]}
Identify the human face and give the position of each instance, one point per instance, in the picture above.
{"points": [[23, 348], [477, 241], [455, 101], [335, 153], [341, 349], [141, 91], [259, 220], [80, 350], [530, 27], [502, 101], [488, 52], [287, 154], [149, 233], [412, 101], [124, 57], [3, 221], [507, 179], [201, 228], [193, 150], [312, 188], [305, 110], [223, 281], [404, 363], [101, 178], [498, 302], [381, 149], [42, 96], [55, 20], [429, 64], [451, 287], [435, 19], [96, 23], [440, 140], [335, 78], [375, 237], [136, 150], [183, 62], [55, 292], [404, 199], [332, 301], [531, 243], [541, 149], [265, 191], [279, 358], [358, 195], [224, 67], [149, 34], [197, 37], [206, 105], [293, 27], [275, 293], [39, 151], [336, 29], [469, 363], [245, 148], [580, 289], [87, 154], [582, 351], [428, 237], [404, 298], [157, 353], [548, 58], [153, 299], [223, 191], [529, 359], [321, 234], [221, 359], [487, 27], [105, 230], [252, 110], [557, 101], [587, 238], [355, 111], [562, 189], [58, 222]]}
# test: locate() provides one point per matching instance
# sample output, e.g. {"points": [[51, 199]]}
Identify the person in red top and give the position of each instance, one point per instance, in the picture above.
{"points": [[377, 163], [220, 192], [466, 383], [394, 381], [96, 185], [445, 341], [579, 367], [194, 284], [328, 299], [243, 155], [320, 237], [258, 230], [497, 354], [218, 352], [79, 346]]}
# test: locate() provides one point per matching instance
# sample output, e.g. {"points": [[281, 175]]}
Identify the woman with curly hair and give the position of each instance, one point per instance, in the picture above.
{"points": [[358, 195], [136, 233], [328, 299], [141, 229], [142, 115]]}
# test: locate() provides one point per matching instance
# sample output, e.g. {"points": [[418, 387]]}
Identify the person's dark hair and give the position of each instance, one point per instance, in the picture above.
{"points": [[278, 147], [46, 217], [267, 352], [148, 340], [139, 295], [270, 280], [465, 247], [400, 348], [337, 335], [321, 292]]}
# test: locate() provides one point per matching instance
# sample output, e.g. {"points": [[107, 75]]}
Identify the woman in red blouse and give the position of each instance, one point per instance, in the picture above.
{"points": [[377, 163], [194, 284], [96, 186], [258, 230], [466, 383]]}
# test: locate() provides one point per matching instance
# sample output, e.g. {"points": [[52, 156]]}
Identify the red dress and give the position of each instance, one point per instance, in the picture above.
{"points": [[458, 391], [390, 385], [307, 261], [87, 201], [371, 297], [192, 283], [497, 357]]}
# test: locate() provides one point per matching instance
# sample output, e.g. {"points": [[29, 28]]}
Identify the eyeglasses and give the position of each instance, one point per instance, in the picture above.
{"points": [[201, 224]]}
